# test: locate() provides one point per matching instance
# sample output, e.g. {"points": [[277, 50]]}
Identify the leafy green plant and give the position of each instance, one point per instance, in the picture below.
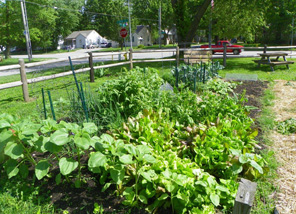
{"points": [[286, 127], [20, 139], [190, 75]]}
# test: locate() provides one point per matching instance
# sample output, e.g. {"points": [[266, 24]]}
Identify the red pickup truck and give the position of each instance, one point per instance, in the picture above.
{"points": [[220, 44]]}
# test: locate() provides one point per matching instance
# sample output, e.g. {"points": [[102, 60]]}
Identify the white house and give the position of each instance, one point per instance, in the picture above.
{"points": [[141, 36], [81, 39]]}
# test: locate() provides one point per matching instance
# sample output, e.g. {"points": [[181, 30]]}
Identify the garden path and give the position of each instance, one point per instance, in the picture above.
{"points": [[285, 147]]}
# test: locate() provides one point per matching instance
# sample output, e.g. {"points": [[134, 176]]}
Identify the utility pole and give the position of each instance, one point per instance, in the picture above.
{"points": [[292, 32], [130, 23], [159, 25], [26, 31]]}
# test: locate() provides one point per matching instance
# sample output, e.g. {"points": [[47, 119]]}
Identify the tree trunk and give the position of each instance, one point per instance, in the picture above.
{"points": [[186, 30], [8, 40]]}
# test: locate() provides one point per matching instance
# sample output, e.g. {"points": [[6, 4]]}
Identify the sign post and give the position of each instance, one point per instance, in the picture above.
{"points": [[123, 34]]}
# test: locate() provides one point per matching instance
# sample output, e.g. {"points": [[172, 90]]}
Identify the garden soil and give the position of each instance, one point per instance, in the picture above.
{"points": [[284, 147]]}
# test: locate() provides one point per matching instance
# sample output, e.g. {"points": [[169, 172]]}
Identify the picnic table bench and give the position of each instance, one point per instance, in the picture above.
{"points": [[267, 60]]}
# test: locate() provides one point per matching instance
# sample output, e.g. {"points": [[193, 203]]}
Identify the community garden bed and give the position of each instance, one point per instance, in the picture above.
{"points": [[158, 151]]}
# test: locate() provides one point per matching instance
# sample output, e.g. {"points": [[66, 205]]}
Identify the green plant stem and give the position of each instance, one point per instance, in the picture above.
{"points": [[28, 154], [79, 164]]}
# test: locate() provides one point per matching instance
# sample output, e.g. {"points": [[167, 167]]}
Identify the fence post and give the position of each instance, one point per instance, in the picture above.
{"points": [[91, 72], [24, 80], [177, 56], [224, 54], [131, 58], [244, 197], [265, 48]]}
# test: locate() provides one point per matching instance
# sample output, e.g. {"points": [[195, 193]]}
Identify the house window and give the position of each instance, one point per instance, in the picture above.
{"points": [[133, 40], [80, 42]]}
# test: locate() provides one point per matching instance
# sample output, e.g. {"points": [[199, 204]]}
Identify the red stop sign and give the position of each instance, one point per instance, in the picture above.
{"points": [[123, 32]]}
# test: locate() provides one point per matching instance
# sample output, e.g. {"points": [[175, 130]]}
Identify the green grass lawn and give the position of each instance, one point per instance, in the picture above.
{"points": [[13, 61]]}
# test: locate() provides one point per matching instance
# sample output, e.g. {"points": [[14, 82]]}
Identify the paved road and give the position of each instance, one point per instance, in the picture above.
{"points": [[84, 53]]}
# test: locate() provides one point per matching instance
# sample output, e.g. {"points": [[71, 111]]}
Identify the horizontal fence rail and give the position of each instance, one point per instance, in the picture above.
{"points": [[128, 56]]}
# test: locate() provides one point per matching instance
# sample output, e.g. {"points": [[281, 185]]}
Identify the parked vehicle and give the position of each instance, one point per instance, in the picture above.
{"points": [[106, 45], [220, 44], [94, 45]]}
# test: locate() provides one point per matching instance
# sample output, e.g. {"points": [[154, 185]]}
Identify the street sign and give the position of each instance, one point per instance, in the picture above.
{"points": [[123, 32], [122, 21]]}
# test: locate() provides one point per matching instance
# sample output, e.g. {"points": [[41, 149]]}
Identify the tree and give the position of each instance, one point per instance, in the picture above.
{"points": [[11, 30], [148, 11], [68, 15], [102, 16], [188, 15], [238, 18]]}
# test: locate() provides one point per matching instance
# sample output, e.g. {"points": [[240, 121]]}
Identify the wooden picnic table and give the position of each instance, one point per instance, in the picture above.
{"points": [[273, 59]]}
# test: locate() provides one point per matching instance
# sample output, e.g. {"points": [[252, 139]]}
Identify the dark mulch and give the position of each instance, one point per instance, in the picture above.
{"points": [[254, 90]]}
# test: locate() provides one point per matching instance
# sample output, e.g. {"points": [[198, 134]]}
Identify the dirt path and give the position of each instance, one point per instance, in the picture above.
{"points": [[285, 147]]}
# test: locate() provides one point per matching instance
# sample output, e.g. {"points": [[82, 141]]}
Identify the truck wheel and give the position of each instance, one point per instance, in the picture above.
{"points": [[236, 52]]}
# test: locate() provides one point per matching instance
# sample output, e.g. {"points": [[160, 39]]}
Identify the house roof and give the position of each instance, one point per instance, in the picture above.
{"points": [[74, 34], [140, 27]]}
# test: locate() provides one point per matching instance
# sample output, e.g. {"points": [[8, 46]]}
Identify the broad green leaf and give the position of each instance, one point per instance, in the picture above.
{"points": [[4, 139], [107, 138], [150, 191], [130, 148], [222, 189], [143, 149], [60, 137], [51, 147], [143, 198], [11, 168], [149, 158], [93, 141], [96, 160], [167, 174], [40, 143], [256, 166], [235, 152], [91, 128], [117, 175], [14, 150], [30, 129], [4, 124], [41, 169], [83, 141], [215, 199], [149, 175], [163, 197], [67, 165], [126, 159], [49, 125], [24, 170], [236, 168], [170, 186], [129, 194], [243, 159], [211, 181]]}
